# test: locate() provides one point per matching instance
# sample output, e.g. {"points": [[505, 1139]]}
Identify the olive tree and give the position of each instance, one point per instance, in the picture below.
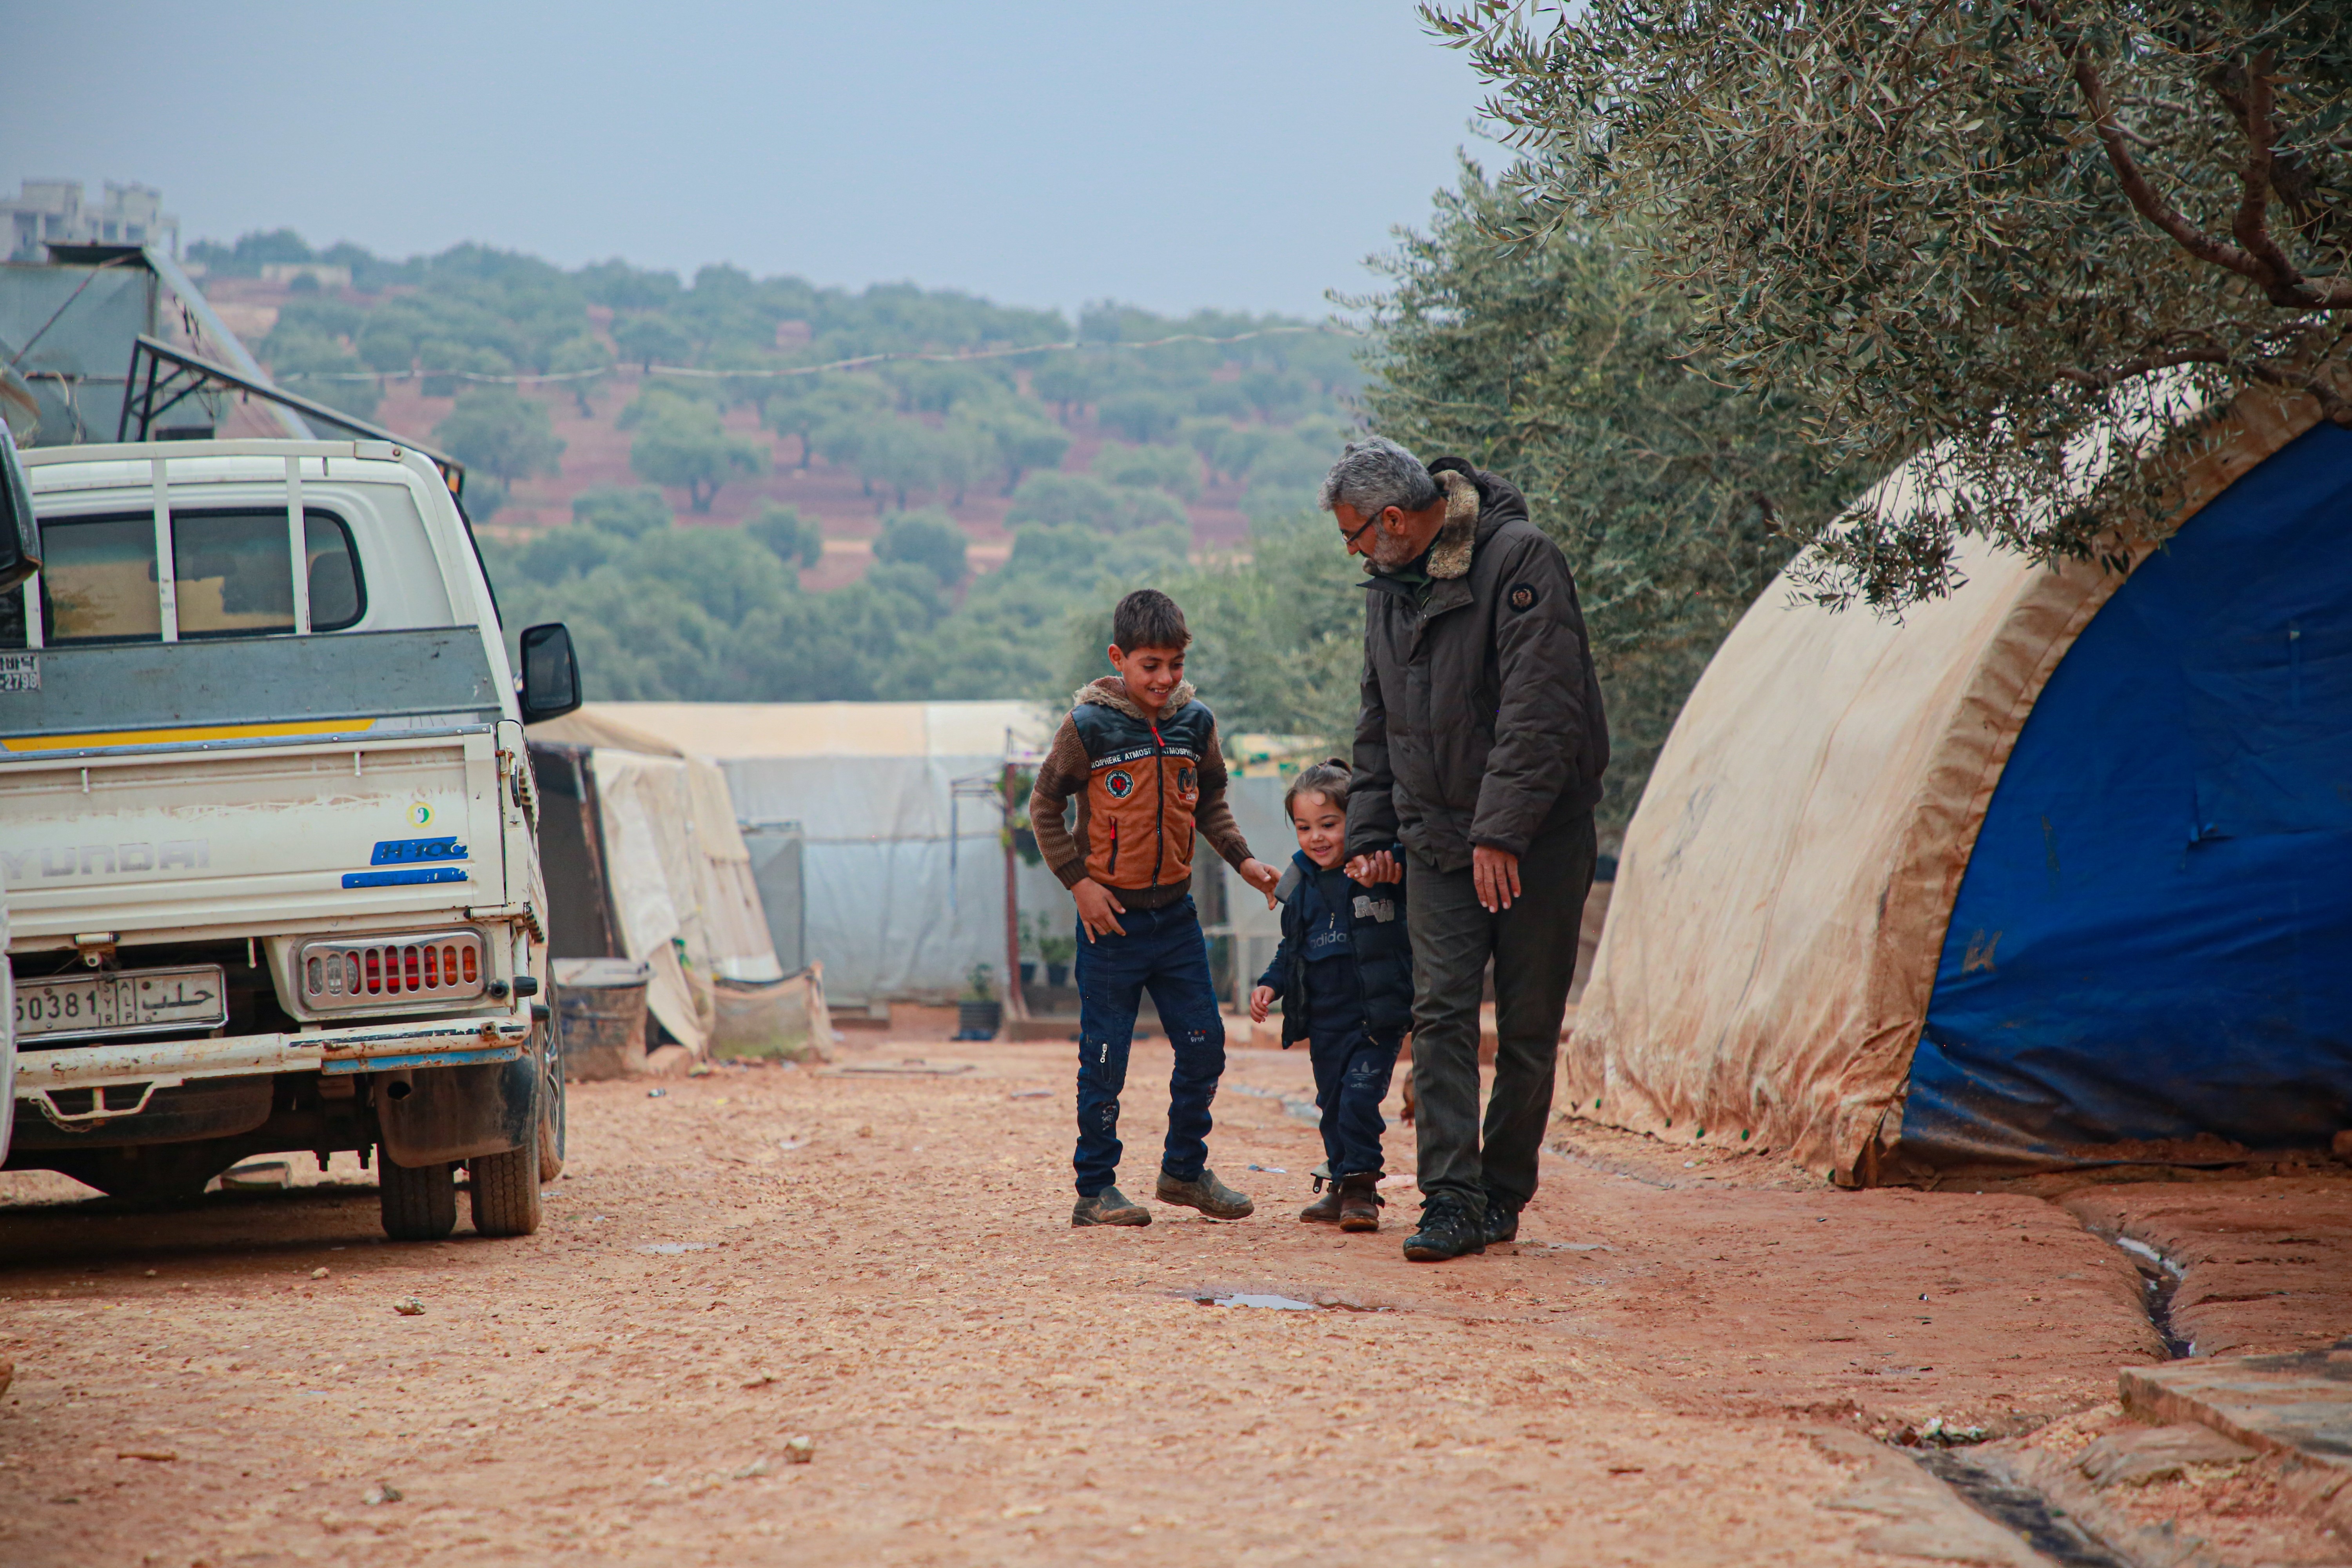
{"points": [[1675, 496], [2036, 241]]}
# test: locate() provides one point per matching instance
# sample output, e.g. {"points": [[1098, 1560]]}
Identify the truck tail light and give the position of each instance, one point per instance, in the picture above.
{"points": [[428, 966]]}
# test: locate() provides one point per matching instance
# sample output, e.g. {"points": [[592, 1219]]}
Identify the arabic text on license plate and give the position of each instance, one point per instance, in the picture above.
{"points": [[20, 672], [136, 1001]]}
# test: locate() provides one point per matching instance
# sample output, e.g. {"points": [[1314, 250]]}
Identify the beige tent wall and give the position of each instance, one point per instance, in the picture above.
{"points": [[681, 885], [904, 882], [1784, 886]]}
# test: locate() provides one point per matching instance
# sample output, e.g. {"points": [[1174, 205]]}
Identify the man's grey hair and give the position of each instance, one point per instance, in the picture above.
{"points": [[1375, 474]]}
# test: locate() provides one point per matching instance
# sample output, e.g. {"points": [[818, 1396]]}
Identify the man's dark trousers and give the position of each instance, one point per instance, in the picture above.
{"points": [[1163, 953], [1533, 945]]}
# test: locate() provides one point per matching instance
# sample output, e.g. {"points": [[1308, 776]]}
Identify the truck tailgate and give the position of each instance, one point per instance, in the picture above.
{"points": [[183, 837]]}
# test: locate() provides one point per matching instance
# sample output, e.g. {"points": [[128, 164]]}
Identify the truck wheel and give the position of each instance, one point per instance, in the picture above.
{"points": [[420, 1203], [550, 1118], [505, 1191]]}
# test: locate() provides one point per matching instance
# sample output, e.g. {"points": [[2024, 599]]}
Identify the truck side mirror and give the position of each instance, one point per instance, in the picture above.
{"points": [[550, 673], [20, 537]]}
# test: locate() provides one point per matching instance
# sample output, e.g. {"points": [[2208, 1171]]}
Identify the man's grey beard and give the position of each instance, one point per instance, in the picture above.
{"points": [[1388, 552]]}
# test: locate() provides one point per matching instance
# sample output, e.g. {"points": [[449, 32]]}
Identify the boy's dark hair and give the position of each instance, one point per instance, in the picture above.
{"points": [[1148, 618], [1328, 780]]}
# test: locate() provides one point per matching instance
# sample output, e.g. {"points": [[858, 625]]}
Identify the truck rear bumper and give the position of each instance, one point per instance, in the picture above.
{"points": [[123, 1076]]}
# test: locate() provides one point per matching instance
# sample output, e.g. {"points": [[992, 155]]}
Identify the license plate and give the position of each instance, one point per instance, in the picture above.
{"points": [[20, 672], [125, 1002]]}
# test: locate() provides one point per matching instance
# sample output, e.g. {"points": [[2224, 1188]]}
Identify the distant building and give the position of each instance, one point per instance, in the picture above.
{"points": [[50, 212], [326, 275]]}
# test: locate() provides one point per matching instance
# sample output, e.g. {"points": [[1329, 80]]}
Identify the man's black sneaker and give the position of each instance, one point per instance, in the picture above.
{"points": [[1449, 1228], [1502, 1220], [1109, 1207]]}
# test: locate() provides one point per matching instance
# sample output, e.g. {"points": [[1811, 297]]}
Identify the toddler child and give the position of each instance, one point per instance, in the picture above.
{"points": [[1344, 973]]}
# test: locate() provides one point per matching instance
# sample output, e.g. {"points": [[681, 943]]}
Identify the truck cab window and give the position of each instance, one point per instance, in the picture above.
{"points": [[230, 572], [97, 581]]}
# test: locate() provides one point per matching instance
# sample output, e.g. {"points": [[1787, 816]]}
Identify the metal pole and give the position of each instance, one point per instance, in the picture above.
{"points": [[1016, 1005]]}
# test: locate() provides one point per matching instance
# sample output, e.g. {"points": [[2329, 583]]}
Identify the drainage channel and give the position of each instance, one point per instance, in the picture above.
{"points": [[2020, 1510], [2159, 1277]]}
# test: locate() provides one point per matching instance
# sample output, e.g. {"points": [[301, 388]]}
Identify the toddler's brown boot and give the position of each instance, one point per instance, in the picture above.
{"points": [[1360, 1202], [1323, 1210]]}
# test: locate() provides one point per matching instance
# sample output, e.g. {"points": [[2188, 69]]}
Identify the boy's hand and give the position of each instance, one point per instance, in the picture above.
{"points": [[1375, 868], [1261, 877], [1261, 999], [1099, 910]]}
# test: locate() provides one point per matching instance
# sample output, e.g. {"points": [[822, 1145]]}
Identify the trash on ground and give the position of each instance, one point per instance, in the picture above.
{"points": [[657, 1094], [1269, 1169], [672, 1249], [800, 1450], [1249, 1299], [412, 1308], [318, 1273], [1029, 1094], [379, 1493]]}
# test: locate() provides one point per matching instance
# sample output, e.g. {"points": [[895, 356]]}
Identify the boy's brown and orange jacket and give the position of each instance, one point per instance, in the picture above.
{"points": [[1145, 787]]}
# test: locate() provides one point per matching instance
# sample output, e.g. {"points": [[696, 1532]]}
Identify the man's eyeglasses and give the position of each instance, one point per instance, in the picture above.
{"points": [[1360, 533]]}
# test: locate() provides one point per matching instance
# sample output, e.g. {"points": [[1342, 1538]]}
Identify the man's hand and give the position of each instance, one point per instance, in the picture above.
{"points": [[1261, 877], [1375, 868], [1495, 874], [1261, 998], [1099, 910]]}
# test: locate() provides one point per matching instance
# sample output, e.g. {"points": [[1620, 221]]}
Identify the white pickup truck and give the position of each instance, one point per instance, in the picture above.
{"points": [[268, 831]]}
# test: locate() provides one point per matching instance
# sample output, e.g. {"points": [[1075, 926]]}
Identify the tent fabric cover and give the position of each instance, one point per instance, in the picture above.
{"points": [[1785, 886], [2168, 862], [905, 884], [680, 881]]}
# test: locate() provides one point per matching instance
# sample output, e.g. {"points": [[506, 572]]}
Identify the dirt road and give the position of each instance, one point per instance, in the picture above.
{"points": [[882, 1262]]}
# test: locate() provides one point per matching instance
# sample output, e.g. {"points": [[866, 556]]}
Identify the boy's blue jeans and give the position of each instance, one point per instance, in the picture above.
{"points": [[1165, 953]]}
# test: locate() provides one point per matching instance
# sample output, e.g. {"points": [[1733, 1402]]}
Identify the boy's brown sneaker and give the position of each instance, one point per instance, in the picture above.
{"points": [[1359, 1203], [1323, 1210], [1109, 1207], [1205, 1193]]}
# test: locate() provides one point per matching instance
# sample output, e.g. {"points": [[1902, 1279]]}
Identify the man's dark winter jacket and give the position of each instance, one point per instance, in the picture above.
{"points": [[1379, 955], [1481, 720]]}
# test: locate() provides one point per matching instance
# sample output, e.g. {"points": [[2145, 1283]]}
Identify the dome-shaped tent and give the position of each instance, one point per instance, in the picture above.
{"points": [[2055, 870]]}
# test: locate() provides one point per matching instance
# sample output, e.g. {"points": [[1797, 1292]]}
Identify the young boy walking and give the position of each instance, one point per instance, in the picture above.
{"points": [[1140, 754], [1344, 973]]}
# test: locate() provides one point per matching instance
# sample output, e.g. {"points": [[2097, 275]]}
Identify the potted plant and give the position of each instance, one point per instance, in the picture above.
{"points": [[979, 1012], [1029, 934], [1058, 948]]}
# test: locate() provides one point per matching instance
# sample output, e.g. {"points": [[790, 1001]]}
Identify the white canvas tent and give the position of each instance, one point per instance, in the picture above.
{"points": [[675, 871], [903, 870]]}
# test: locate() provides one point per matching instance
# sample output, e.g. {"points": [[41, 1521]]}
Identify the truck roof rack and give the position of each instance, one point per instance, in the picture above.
{"points": [[162, 376]]}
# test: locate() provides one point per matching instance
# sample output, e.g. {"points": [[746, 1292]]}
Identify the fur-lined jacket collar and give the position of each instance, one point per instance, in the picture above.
{"points": [[1449, 553], [1457, 536], [1110, 691]]}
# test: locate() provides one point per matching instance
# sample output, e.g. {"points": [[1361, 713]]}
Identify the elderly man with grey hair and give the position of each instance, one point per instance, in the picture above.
{"points": [[1479, 749]]}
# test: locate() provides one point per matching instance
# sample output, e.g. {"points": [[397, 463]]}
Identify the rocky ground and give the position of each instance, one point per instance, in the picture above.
{"points": [[1682, 1360]]}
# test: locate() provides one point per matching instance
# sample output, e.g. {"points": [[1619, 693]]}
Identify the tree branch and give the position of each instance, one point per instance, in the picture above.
{"points": [[2288, 287]]}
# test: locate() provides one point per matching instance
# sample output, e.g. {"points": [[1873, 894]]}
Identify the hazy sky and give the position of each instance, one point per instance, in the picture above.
{"points": [[1239, 155]]}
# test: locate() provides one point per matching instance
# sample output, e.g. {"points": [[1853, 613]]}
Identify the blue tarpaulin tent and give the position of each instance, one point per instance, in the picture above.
{"points": [[2153, 942], [2056, 871]]}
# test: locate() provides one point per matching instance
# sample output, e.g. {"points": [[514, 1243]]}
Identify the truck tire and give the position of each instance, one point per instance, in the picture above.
{"points": [[505, 1190], [419, 1203], [550, 1118]]}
